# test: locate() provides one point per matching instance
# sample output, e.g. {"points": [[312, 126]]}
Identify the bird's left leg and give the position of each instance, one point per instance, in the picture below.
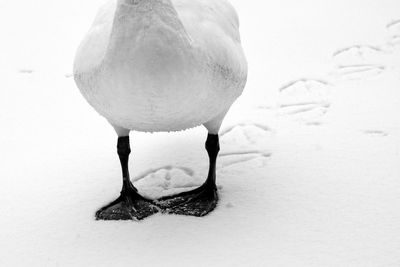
{"points": [[200, 201], [130, 205]]}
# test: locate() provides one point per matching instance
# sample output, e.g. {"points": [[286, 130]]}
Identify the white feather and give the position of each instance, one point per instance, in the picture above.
{"points": [[162, 65]]}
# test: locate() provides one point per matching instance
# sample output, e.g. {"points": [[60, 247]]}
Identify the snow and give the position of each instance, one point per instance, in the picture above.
{"points": [[309, 164]]}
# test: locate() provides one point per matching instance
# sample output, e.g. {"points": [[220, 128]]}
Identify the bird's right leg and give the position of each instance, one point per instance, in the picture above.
{"points": [[130, 205]]}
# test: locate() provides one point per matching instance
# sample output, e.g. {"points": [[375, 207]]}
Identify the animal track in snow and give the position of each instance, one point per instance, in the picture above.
{"points": [[164, 171], [394, 27], [365, 61], [229, 159], [360, 49], [166, 180], [240, 143], [304, 99], [314, 123], [264, 107], [361, 61], [245, 136], [244, 142], [26, 71], [393, 44], [358, 71], [376, 133], [226, 131], [358, 55], [394, 41], [307, 82]]}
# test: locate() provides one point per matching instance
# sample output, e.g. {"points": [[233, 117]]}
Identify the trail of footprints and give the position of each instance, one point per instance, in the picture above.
{"points": [[308, 100], [305, 100], [360, 62], [365, 61], [244, 142], [240, 143]]}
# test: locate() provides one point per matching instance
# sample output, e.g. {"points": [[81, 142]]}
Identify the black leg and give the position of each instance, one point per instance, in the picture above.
{"points": [[130, 205], [212, 147], [124, 149], [200, 201]]}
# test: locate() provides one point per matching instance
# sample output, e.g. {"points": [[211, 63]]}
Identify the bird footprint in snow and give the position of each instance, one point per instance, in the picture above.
{"points": [[365, 61], [360, 62], [239, 143], [394, 28], [393, 44], [26, 71], [376, 133], [358, 72], [167, 180], [306, 100], [244, 142], [359, 55]]}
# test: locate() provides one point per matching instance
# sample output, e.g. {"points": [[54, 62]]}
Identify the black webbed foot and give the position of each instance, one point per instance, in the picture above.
{"points": [[198, 202], [130, 205]]}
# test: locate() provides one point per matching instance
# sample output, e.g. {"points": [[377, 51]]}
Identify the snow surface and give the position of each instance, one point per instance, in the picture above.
{"points": [[309, 171]]}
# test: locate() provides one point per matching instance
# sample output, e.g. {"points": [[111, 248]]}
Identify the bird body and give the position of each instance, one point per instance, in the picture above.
{"points": [[162, 65]]}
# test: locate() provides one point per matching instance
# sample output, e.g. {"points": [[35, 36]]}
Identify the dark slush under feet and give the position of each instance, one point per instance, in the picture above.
{"points": [[129, 206]]}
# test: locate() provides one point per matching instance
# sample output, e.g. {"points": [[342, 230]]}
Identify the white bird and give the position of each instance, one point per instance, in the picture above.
{"points": [[162, 65]]}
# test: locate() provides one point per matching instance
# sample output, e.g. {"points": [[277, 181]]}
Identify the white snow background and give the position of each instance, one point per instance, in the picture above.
{"points": [[309, 171]]}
